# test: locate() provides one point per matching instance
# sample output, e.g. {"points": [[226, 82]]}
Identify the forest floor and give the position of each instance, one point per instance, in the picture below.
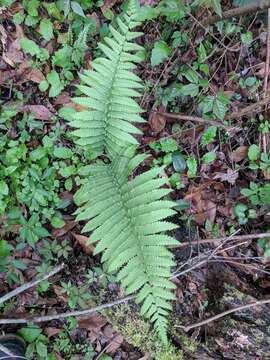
{"points": [[206, 97]]}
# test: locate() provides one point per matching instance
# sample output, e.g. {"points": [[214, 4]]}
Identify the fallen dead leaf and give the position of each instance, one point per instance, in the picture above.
{"points": [[93, 322], [51, 331], [108, 331], [157, 122], [13, 54], [239, 154], [114, 344], [230, 176], [40, 111], [82, 240], [58, 290], [35, 75], [62, 99], [66, 228], [108, 4]]}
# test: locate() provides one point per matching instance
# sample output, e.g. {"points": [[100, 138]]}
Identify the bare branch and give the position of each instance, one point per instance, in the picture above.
{"points": [[237, 12], [39, 319], [224, 313], [32, 283]]}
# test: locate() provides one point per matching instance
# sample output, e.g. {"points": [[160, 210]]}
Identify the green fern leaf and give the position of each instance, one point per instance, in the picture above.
{"points": [[125, 214], [109, 90], [128, 231]]}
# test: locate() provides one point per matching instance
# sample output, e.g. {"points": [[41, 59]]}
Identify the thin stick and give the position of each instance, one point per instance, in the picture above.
{"points": [[227, 312], [32, 283], [39, 319], [216, 250], [249, 110], [236, 237], [237, 12], [196, 119]]}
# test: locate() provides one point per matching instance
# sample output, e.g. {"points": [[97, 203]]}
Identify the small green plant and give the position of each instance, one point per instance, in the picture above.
{"points": [[243, 213], [80, 296], [37, 343], [258, 160], [264, 244], [257, 194]]}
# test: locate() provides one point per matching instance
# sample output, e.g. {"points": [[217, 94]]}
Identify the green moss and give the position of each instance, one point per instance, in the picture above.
{"points": [[187, 344], [140, 334]]}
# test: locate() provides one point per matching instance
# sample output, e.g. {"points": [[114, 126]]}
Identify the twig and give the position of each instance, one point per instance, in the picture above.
{"points": [[236, 237], [216, 250], [239, 11], [249, 110], [76, 313], [227, 312], [32, 283], [196, 119]]}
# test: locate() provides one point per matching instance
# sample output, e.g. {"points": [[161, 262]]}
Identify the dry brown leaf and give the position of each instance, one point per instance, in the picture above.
{"points": [[114, 344], [93, 322], [231, 176], [157, 122], [239, 154], [66, 228], [13, 54], [62, 99], [39, 111], [51, 331], [108, 4], [108, 331], [207, 211], [82, 240], [3, 36], [35, 75]]}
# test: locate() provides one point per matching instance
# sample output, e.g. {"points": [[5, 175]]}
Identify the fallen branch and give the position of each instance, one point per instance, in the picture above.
{"points": [[249, 110], [76, 313], [32, 283], [227, 312], [222, 239], [196, 119], [239, 11]]}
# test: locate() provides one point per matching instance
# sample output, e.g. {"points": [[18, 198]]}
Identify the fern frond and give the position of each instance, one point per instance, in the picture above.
{"points": [[127, 221], [126, 215], [109, 90]]}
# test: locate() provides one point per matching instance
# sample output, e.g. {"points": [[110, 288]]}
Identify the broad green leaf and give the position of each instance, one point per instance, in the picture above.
{"points": [[253, 152], [192, 167], [46, 29], [4, 248], [63, 152], [56, 85], [43, 85], [30, 333], [3, 188], [160, 53], [57, 222], [29, 47], [76, 7], [191, 76], [41, 349], [179, 162], [190, 90], [209, 157]]}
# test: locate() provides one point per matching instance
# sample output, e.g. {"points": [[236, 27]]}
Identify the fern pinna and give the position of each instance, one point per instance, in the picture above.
{"points": [[125, 214]]}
